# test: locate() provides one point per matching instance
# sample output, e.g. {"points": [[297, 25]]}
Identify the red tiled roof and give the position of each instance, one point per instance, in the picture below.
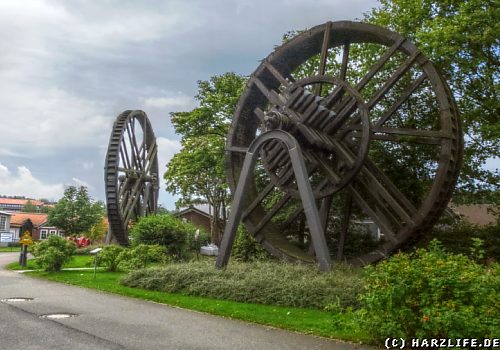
{"points": [[38, 219], [20, 201]]}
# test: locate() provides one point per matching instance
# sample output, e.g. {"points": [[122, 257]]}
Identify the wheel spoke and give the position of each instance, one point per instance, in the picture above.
{"points": [[428, 137], [400, 71], [392, 204], [300, 208], [271, 95], [124, 154], [277, 74], [270, 214], [345, 61], [334, 97], [133, 197], [376, 217], [379, 64], [136, 156], [346, 215], [373, 169], [404, 96], [284, 175], [332, 177], [348, 106], [260, 114], [323, 56]]}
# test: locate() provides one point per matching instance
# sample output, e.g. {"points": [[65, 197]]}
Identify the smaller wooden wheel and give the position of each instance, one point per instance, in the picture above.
{"points": [[131, 172]]}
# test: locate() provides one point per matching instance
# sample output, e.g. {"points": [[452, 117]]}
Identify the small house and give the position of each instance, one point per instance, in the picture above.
{"points": [[41, 229], [195, 216]]}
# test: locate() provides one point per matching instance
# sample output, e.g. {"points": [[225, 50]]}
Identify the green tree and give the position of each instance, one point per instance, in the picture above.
{"points": [[98, 231], [197, 172], [76, 212], [29, 207], [462, 38], [165, 230]]}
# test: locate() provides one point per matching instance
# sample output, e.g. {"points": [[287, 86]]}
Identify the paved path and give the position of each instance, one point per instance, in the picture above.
{"points": [[107, 321]]}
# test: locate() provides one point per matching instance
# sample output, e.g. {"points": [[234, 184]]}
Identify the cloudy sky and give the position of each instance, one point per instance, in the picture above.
{"points": [[69, 67]]}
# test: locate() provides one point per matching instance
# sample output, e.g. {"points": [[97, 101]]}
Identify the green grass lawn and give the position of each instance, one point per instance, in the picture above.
{"points": [[76, 261], [10, 249], [310, 321]]}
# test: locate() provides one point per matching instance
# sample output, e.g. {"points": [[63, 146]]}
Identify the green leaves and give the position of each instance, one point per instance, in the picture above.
{"points": [[197, 172], [53, 252], [165, 230], [76, 212], [461, 37], [431, 294]]}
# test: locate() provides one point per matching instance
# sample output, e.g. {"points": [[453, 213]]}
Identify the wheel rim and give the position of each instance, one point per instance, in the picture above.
{"points": [[386, 90], [131, 173]]}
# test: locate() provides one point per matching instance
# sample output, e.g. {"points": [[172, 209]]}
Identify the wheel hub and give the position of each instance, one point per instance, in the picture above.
{"points": [[319, 123]]}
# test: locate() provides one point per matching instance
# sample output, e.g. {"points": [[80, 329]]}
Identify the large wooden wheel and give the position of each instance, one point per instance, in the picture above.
{"points": [[381, 140], [131, 173]]}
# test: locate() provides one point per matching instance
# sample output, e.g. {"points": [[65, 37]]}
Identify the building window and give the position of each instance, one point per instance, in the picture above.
{"points": [[53, 232], [43, 234], [3, 222]]}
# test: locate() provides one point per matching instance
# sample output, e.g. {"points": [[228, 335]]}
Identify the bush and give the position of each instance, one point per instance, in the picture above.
{"points": [[141, 256], [246, 248], [53, 252], [458, 237], [108, 257], [273, 283], [85, 250], [164, 230], [431, 294], [193, 244]]}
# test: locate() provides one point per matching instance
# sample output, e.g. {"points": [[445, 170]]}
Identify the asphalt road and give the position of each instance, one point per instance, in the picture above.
{"points": [[107, 321]]}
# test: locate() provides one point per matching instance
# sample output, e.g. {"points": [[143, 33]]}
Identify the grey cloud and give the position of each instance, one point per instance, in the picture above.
{"points": [[68, 68]]}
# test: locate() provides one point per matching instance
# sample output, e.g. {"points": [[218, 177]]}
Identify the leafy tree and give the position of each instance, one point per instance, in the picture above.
{"points": [[29, 207], [461, 37], [97, 231], [165, 230], [197, 172], [76, 212]]}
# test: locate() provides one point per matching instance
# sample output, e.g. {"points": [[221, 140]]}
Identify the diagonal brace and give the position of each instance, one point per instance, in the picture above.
{"points": [[306, 195]]}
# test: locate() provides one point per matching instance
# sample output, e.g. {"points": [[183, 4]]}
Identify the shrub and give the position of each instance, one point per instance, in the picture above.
{"points": [[431, 294], [85, 250], [263, 282], [141, 256], [458, 237], [53, 252], [108, 257], [164, 230], [193, 244], [246, 248]]}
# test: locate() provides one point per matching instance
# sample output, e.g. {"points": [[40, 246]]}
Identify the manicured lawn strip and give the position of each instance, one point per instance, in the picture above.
{"points": [[308, 321], [76, 261], [10, 250]]}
